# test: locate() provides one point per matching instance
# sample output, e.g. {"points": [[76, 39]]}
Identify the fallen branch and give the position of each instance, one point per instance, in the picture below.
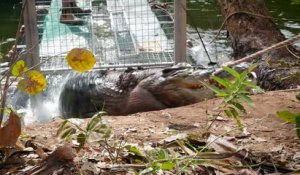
{"points": [[250, 57]]}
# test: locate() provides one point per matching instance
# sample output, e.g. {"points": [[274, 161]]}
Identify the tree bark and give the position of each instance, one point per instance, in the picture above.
{"points": [[251, 29]]}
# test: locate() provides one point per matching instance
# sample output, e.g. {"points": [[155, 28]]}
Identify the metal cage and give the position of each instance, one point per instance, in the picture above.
{"points": [[120, 33]]}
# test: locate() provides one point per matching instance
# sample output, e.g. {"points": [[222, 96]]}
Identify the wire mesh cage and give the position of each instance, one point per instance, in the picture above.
{"points": [[120, 33]]}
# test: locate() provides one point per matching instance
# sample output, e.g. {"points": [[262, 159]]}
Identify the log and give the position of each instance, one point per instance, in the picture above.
{"points": [[252, 29]]}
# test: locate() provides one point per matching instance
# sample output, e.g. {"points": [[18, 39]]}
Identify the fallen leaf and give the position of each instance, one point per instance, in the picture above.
{"points": [[173, 138], [219, 118], [220, 145], [296, 156], [259, 139], [58, 159], [11, 131], [277, 149], [40, 152], [89, 166]]}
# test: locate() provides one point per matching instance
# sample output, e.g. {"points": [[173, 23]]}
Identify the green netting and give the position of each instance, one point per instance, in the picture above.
{"points": [[58, 38]]}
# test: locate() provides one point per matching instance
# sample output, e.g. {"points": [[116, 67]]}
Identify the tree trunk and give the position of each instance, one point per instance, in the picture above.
{"points": [[252, 29]]}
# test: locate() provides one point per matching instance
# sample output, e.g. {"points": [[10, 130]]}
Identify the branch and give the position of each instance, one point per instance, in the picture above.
{"points": [[250, 57]]}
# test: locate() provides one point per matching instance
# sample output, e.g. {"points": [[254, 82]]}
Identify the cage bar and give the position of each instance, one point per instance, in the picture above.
{"points": [[120, 33]]}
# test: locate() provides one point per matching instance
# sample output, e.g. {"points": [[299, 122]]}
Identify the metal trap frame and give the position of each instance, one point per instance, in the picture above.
{"points": [[120, 33]]}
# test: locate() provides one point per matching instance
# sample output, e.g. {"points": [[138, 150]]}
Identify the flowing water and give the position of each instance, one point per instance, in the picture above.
{"points": [[203, 19]]}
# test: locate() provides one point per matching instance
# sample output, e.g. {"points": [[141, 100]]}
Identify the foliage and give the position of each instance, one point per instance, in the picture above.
{"points": [[160, 159], [95, 130], [234, 90], [295, 2], [291, 118]]}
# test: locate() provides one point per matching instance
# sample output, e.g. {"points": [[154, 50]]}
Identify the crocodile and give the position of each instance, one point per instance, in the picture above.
{"points": [[136, 90], [132, 91]]}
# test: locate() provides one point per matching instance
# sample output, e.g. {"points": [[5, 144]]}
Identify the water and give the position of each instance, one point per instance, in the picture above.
{"points": [[45, 104], [203, 15]]}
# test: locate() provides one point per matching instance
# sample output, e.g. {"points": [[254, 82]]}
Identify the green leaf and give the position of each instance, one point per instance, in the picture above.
{"points": [[251, 67], [135, 150], [61, 127], [247, 99], [244, 75], [234, 112], [215, 89], [250, 84], [298, 126], [244, 92], [67, 133], [232, 72], [99, 134], [222, 82], [228, 99], [298, 96], [96, 119], [167, 165], [222, 94], [162, 154], [295, 2], [236, 116], [228, 113], [81, 139], [287, 116], [239, 106]]}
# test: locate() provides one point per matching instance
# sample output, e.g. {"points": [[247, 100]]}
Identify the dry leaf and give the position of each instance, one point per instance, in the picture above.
{"points": [[11, 131], [221, 145], [54, 162]]}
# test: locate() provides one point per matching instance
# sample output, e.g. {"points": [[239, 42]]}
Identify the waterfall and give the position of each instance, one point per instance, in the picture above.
{"points": [[46, 107]]}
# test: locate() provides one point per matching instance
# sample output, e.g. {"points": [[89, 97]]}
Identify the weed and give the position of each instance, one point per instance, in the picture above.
{"points": [[291, 117], [95, 130], [234, 90]]}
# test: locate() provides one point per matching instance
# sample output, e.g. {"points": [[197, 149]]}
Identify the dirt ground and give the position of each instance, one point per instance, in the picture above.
{"points": [[264, 135]]}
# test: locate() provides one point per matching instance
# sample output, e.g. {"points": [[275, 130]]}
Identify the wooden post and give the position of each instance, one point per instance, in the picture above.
{"points": [[180, 31], [32, 42], [31, 34]]}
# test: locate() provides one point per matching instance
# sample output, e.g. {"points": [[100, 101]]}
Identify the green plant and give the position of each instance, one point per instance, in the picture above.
{"points": [[295, 2], [154, 160], [291, 117], [178, 160], [233, 90], [95, 130]]}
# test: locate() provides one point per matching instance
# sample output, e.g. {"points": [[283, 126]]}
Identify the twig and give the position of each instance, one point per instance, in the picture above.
{"points": [[6, 85], [234, 13], [124, 166], [250, 57], [291, 52], [249, 13]]}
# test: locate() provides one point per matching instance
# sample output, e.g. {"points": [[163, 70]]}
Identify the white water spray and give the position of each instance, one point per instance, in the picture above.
{"points": [[45, 108]]}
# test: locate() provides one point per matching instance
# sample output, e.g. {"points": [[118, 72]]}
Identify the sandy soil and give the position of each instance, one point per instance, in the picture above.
{"points": [[265, 135]]}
